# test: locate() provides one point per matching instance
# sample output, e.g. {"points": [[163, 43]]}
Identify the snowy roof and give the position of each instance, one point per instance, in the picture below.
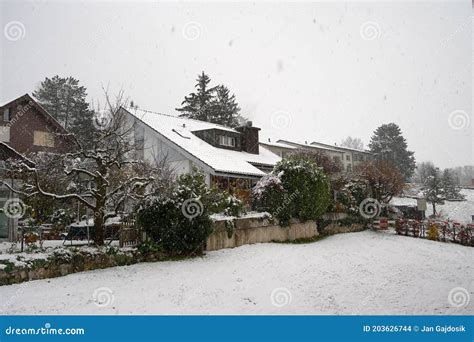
{"points": [[277, 144], [179, 130], [324, 147]]}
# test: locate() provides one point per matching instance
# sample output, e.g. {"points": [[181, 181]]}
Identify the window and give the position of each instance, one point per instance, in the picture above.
{"points": [[348, 157], [4, 134], [139, 136], [226, 141], [336, 159], [6, 115], [45, 139]]}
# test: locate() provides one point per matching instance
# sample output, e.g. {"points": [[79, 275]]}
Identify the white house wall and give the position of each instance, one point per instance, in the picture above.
{"points": [[157, 148]]}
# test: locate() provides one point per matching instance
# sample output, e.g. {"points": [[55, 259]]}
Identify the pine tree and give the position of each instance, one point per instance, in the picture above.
{"points": [[211, 104], [65, 100], [388, 143], [198, 105], [225, 110]]}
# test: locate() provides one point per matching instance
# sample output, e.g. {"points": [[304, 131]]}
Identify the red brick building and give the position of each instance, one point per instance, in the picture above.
{"points": [[27, 128]]}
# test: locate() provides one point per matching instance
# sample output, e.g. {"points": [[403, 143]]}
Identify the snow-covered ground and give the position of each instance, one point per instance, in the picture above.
{"points": [[358, 273], [460, 211]]}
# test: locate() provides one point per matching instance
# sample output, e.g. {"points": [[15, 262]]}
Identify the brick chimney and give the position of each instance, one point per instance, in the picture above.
{"points": [[249, 137]]}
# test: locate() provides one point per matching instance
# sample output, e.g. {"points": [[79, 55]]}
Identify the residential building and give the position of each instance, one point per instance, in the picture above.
{"points": [[231, 159], [279, 148], [348, 157], [28, 128], [25, 128]]}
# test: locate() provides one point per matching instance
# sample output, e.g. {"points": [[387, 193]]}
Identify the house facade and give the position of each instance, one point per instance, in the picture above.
{"points": [[231, 159], [28, 128], [348, 157], [25, 128]]}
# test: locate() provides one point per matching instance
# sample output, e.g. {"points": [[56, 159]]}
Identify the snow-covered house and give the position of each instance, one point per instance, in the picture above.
{"points": [[230, 158], [349, 157], [28, 128], [331, 151], [25, 128]]}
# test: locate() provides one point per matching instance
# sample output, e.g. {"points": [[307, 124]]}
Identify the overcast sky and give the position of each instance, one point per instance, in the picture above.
{"points": [[301, 71]]}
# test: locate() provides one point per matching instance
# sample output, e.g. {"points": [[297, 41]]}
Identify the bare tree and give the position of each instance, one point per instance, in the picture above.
{"points": [[351, 142], [108, 167]]}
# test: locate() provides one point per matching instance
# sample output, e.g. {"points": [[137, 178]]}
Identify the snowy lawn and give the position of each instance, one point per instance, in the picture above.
{"points": [[358, 273]]}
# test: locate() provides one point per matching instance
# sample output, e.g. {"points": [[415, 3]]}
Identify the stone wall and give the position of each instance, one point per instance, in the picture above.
{"points": [[244, 231], [77, 261], [335, 228]]}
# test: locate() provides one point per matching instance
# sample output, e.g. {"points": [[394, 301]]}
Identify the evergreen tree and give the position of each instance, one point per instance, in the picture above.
{"points": [[433, 189], [211, 104], [388, 143], [451, 190], [199, 105], [65, 100], [225, 108]]}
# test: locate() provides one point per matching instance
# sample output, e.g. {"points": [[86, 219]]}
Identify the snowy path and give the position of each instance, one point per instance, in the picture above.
{"points": [[358, 273]]}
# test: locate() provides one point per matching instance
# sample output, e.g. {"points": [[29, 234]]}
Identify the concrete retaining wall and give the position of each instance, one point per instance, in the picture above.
{"points": [[254, 230]]}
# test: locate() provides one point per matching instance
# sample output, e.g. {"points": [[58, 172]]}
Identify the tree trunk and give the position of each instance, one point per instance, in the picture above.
{"points": [[99, 212], [434, 209], [99, 227]]}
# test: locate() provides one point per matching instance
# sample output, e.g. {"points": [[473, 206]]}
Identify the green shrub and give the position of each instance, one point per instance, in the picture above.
{"points": [[180, 223], [296, 188], [233, 206]]}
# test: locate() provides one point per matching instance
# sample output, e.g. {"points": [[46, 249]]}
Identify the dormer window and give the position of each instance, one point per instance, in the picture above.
{"points": [[226, 141]]}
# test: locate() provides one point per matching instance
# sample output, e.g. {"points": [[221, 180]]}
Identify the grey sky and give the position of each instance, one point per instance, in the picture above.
{"points": [[301, 71]]}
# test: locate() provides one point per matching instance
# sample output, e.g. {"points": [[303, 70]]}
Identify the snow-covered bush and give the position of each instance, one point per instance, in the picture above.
{"points": [[180, 223], [232, 206], [296, 188], [351, 194]]}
